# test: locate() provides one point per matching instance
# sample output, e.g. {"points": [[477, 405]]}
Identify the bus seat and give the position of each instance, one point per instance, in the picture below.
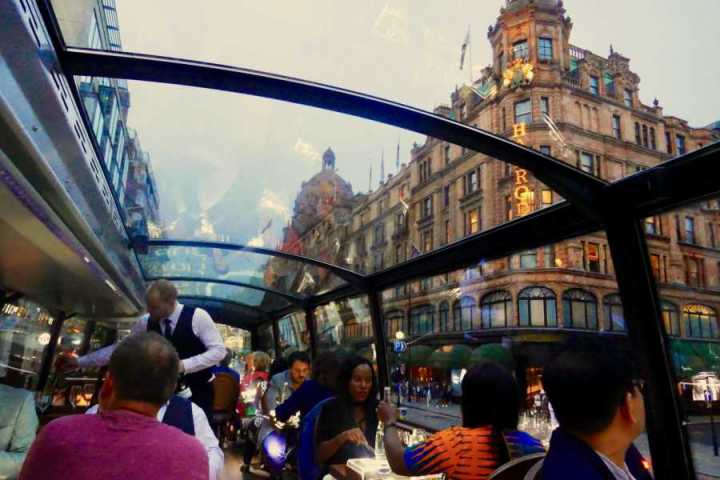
{"points": [[308, 469], [518, 468]]}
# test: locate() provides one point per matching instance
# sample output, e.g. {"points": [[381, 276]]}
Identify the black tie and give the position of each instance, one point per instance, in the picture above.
{"points": [[168, 331]]}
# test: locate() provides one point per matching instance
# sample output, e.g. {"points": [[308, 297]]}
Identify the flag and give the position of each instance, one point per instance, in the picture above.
{"points": [[463, 48], [382, 166], [405, 206], [370, 180], [397, 156], [267, 227], [415, 252]]}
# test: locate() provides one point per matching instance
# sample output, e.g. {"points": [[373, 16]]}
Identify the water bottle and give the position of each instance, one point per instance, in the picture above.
{"points": [[380, 441], [284, 394]]}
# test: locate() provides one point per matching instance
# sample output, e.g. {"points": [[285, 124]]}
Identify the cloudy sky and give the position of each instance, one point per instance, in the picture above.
{"points": [[254, 153]]}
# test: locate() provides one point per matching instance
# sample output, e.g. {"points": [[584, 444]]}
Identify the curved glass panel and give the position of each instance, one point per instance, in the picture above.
{"points": [[218, 291], [287, 276]]}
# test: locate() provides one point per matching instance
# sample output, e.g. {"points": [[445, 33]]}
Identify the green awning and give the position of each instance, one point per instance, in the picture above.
{"points": [[416, 356], [493, 352]]}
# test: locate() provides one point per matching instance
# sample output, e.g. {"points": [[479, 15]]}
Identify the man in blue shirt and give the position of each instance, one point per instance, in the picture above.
{"points": [[597, 396], [312, 391]]}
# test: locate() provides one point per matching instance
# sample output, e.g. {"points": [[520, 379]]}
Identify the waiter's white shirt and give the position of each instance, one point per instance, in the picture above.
{"points": [[202, 326], [203, 432]]}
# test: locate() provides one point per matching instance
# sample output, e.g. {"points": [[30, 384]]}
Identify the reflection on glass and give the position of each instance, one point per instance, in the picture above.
{"points": [[345, 327], [294, 335], [24, 336]]}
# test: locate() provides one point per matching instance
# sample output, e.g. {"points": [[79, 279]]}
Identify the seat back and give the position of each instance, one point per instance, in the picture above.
{"points": [[518, 468], [535, 472], [227, 391], [308, 469]]}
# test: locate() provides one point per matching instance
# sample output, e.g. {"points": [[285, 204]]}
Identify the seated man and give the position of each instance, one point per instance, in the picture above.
{"points": [[298, 370], [313, 390], [125, 440], [18, 424], [597, 397], [490, 408], [181, 413], [224, 366]]}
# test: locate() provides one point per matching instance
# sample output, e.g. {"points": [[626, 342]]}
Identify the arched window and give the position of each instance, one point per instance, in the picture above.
{"points": [[580, 309], [467, 312], [457, 316], [444, 317], [394, 320], [614, 313], [537, 307], [422, 320], [700, 321], [496, 309], [671, 318]]}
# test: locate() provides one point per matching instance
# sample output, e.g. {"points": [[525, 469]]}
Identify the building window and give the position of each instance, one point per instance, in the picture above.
{"points": [[653, 140], [495, 309], [523, 111], [689, 229], [504, 120], [587, 163], [528, 260], [537, 307], [656, 268], [545, 106], [508, 207], [638, 137], [609, 84], [652, 226], [711, 235], [670, 318], [594, 85], [471, 182], [472, 221], [467, 313], [693, 272], [700, 321], [628, 97], [680, 144], [580, 309], [549, 256], [427, 207], [545, 49], [446, 154], [668, 143], [546, 149], [591, 257], [379, 234], [617, 132], [645, 140], [427, 241], [398, 253], [447, 232], [614, 313], [520, 50], [547, 197], [422, 320], [400, 226], [444, 317]]}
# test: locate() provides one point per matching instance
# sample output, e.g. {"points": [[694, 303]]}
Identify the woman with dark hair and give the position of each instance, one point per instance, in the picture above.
{"points": [[488, 438], [348, 423]]}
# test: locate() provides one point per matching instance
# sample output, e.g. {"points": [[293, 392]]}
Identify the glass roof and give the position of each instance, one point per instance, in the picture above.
{"points": [[416, 45], [245, 296], [205, 264]]}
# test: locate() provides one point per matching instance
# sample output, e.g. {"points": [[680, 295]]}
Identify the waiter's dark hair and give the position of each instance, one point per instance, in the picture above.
{"points": [[144, 368]]}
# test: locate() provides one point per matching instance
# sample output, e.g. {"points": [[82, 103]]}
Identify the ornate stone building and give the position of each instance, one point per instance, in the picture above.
{"points": [[581, 108]]}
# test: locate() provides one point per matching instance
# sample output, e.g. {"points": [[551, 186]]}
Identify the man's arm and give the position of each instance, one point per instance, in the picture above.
{"points": [[204, 328], [203, 432], [101, 356], [292, 404], [394, 450], [22, 437]]}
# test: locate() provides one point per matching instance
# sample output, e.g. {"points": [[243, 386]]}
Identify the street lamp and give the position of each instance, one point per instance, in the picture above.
{"points": [[399, 335]]}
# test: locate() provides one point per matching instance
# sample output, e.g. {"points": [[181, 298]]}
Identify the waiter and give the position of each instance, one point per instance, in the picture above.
{"points": [[191, 331]]}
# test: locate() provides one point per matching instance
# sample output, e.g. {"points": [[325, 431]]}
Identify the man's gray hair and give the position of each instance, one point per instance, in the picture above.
{"points": [[144, 368]]}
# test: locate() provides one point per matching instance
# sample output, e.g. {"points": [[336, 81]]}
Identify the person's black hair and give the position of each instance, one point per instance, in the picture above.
{"points": [[325, 369], [490, 396], [278, 365], [298, 357], [144, 368], [345, 376], [587, 382]]}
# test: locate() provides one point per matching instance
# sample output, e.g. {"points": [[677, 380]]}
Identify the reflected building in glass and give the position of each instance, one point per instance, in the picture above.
{"points": [[581, 108]]}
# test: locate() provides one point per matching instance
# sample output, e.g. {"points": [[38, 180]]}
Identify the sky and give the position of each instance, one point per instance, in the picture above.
{"points": [[230, 150]]}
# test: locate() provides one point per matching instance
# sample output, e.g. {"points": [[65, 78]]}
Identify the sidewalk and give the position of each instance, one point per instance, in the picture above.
{"points": [[436, 418]]}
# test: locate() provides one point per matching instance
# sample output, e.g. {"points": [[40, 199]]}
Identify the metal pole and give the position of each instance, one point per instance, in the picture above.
{"points": [[276, 338], [714, 434], [49, 354], [87, 335], [667, 433], [380, 337], [312, 329]]}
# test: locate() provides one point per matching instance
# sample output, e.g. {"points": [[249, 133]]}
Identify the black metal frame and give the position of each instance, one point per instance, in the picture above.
{"points": [[594, 205]]}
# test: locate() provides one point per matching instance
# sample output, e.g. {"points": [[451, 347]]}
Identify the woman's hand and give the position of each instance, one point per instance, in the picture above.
{"points": [[354, 435]]}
